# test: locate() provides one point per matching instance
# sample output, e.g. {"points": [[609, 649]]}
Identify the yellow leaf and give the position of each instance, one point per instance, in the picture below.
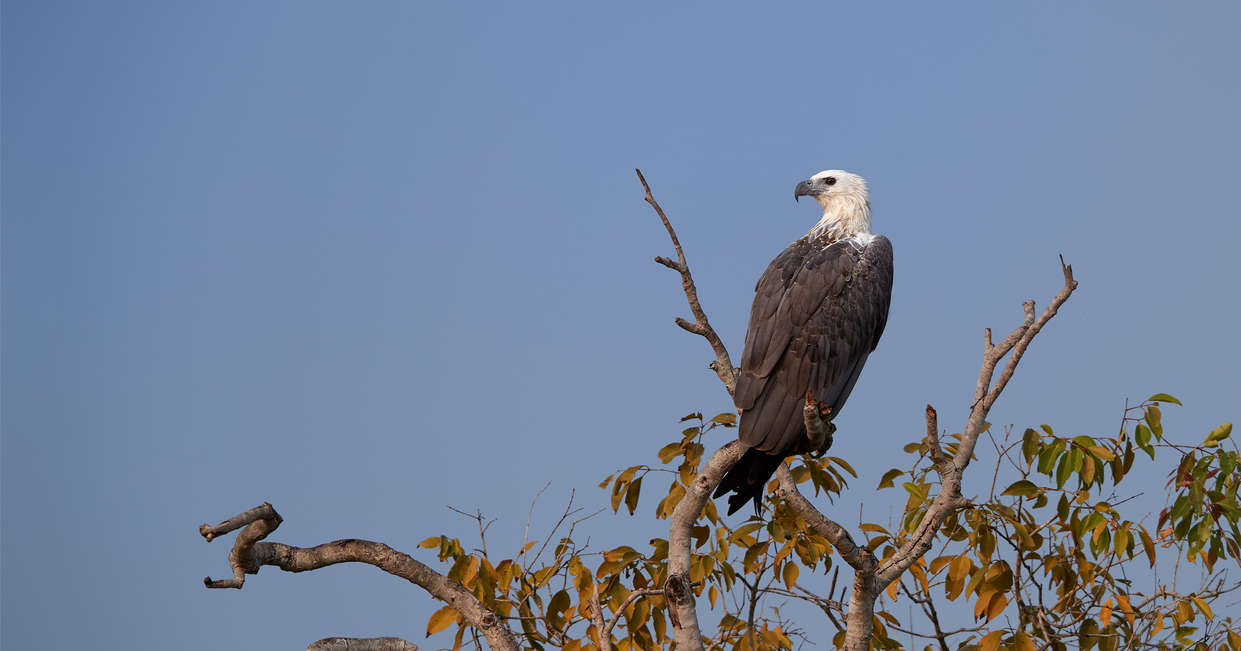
{"points": [[1023, 642], [1105, 613], [1126, 607], [1148, 545], [433, 541], [790, 575], [1203, 606], [998, 602], [919, 574], [939, 563], [1234, 641], [991, 641], [892, 588], [441, 620], [1184, 613], [713, 593], [960, 566]]}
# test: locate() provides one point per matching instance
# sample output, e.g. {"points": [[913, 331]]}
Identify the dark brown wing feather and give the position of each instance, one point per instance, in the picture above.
{"points": [[818, 312]]}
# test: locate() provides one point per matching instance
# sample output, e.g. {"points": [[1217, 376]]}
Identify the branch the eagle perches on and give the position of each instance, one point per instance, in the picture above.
{"points": [[871, 575]]}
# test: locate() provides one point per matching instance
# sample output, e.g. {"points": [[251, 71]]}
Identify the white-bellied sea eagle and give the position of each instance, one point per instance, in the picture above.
{"points": [[818, 312]]}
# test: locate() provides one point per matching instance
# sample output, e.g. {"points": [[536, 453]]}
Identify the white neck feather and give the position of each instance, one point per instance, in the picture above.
{"points": [[844, 215]]}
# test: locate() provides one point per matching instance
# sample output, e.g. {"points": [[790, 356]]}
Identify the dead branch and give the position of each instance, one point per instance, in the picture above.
{"points": [[723, 365], [949, 496], [932, 439], [248, 555], [361, 644]]}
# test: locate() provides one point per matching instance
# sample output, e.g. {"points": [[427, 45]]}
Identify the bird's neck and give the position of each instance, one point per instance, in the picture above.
{"points": [[843, 217]]}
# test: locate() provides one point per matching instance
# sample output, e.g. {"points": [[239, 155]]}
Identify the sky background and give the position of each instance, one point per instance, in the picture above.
{"points": [[368, 260]]}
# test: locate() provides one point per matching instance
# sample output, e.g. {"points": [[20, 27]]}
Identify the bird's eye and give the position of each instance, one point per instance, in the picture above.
{"points": [[831, 180]]}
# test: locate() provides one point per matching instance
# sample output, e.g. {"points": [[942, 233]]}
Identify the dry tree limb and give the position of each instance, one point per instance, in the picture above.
{"points": [[361, 644], [949, 496], [248, 555], [679, 589], [932, 440], [723, 365]]}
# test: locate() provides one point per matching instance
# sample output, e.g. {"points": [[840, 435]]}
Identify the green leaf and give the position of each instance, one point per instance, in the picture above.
{"points": [[631, 495], [1218, 434], [1163, 397], [886, 481], [1154, 418], [1047, 458], [1023, 488], [1143, 438], [915, 490], [1029, 444], [1063, 470]]}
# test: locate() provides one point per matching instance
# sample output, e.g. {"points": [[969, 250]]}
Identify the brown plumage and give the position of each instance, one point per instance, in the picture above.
{"points": [[818, 312]]}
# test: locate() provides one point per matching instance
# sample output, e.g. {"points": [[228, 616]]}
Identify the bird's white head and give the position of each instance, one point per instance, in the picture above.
{"points": [[846, 204]]}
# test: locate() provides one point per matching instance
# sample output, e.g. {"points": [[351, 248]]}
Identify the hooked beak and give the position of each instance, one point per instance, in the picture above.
{"points": [[804, 189]]}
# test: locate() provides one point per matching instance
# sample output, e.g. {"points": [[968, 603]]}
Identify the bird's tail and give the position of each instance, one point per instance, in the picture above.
{"points": [[747, 479]]}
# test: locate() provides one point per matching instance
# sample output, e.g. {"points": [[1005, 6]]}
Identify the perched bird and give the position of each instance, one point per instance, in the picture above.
{"points": [[818, 312]]}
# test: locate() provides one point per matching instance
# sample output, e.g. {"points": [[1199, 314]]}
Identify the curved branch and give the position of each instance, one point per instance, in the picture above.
{"points": [[856, 556], [248, 555]]}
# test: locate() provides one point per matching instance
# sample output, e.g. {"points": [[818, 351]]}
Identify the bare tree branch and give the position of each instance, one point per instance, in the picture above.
{"points": [[949, 496], [932, 439], [723, 365], [248, 555]]}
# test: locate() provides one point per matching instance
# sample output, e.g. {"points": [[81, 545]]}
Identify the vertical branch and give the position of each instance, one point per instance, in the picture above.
{"points": [[679, 589], [723, 365]]}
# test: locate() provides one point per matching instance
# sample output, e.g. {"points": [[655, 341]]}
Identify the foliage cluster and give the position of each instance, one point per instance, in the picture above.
{"points": [[1051, 556]]}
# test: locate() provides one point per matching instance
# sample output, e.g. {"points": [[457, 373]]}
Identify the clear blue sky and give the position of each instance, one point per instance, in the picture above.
{"points": [[365, 260]]}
